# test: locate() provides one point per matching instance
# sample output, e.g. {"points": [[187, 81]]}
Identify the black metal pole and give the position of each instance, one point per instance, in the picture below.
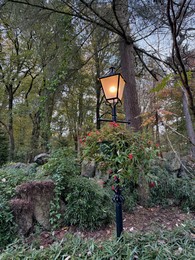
{"points": [[118, 199], [114, 112]]}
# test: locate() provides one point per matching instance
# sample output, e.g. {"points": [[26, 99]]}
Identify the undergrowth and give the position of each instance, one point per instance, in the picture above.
{"points": [[161, 245]]}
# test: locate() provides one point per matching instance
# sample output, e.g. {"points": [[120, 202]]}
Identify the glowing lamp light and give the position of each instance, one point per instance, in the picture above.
{"points": [[113, 86], [112, 89]]}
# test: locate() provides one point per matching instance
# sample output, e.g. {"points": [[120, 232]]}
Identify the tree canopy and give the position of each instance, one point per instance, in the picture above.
{"points": [[52, 53]]}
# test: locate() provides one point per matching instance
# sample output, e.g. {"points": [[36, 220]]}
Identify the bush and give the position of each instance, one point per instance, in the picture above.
{"points": [[131, 197], [170, 189], [128, 154], [77, 192], [7, 226], [62, 162], [61, 167], [88, 205], [125, 155]]}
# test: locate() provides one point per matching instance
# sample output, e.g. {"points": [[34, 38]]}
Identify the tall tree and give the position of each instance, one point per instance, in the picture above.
{"points": [[178, 14], [109, 16], [15, 67]]}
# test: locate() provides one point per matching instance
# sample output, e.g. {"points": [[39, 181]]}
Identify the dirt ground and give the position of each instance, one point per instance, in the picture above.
{"points": [[141, 220]]}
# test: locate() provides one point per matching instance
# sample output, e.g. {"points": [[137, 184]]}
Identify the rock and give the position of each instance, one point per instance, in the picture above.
{"points": [[42, 158], [17, 165], [172, 161], [26, 167], [40, 194], [23, 213], [88, 168]]}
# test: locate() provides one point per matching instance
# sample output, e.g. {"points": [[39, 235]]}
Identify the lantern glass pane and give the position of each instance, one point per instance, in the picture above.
{"points": [[121, 87], [110, 85]]}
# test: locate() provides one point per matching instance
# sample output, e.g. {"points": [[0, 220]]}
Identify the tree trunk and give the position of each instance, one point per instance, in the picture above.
{"points": [[188, 120], [131, 104], [98, 86], [48, 106], [10, 126], [35, 135]]}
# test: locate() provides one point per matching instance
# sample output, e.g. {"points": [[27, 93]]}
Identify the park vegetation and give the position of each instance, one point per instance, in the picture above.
{"points": [[51, 56]]}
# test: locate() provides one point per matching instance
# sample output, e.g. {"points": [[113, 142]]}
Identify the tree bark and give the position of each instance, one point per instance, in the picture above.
{"points": [[131, 104], [10, 124], [188, 120], [98, 87], [36, 120]]}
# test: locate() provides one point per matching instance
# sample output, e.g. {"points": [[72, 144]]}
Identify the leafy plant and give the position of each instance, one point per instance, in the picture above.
{"points": [[124, 157], [62, 162], [88, 205], [174, 190], [7, 226], [176, 244], [61, 167], [125, 153]]}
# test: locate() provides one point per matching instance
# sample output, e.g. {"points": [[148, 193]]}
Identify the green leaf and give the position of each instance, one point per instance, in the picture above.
{"points": [[162, 84]]}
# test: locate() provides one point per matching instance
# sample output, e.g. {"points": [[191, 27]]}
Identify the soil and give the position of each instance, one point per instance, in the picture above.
{"points": [[141, 220]]}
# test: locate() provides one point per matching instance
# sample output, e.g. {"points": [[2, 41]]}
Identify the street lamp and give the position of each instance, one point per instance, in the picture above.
{"points": [[113, 85]]}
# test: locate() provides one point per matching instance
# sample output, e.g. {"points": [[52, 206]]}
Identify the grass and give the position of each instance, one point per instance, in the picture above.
{"points": [[178, 244]]}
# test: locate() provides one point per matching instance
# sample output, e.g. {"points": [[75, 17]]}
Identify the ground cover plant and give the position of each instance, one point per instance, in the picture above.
{"points": [[174, 245]]}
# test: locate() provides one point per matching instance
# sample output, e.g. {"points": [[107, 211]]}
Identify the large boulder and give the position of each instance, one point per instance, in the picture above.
{"points": [[40, 194], [172, 161], [41, 158], [23, 213], [88, 168]]}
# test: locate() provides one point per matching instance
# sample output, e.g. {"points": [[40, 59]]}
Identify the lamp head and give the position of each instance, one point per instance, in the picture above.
{"points": [[113, 86]]}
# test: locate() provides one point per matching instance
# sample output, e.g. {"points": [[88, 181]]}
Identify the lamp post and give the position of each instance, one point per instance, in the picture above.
{"points": [[113, 85]]}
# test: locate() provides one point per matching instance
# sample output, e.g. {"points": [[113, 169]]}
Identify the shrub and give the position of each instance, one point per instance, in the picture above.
{"points": [[61, 167], [127, 157], [130, 197], [62, 162], [88, 205], [170, 189], [7, 226], [126, 153], [10, 178]]}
